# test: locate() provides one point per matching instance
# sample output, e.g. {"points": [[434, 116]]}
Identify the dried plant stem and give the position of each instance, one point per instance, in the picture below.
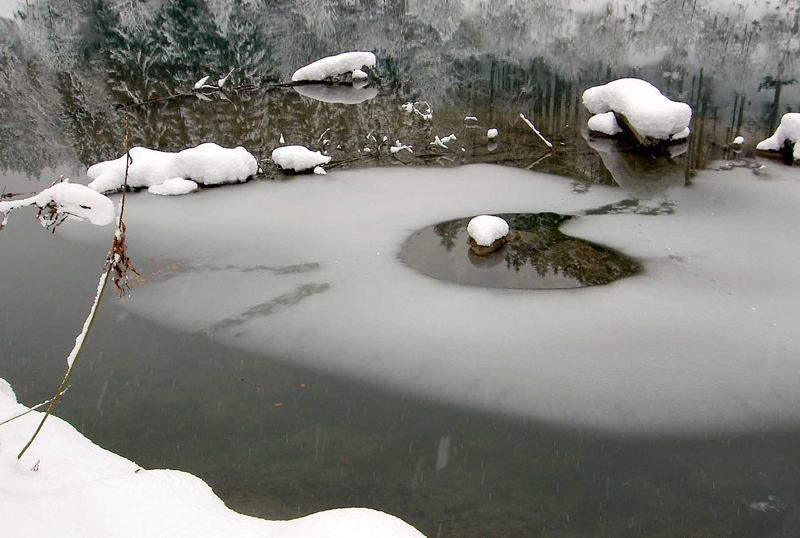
{"points": [[111, 264]]}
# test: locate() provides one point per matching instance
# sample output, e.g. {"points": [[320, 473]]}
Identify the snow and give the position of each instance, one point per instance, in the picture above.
{"points": [[642, 105], [207, 164], [319, 171], [788, 130], [298, 158], [530, 124], [681, 135], [173, 187], [200, 83], [358, 74], [72, 199], [605, 123], [486, 229], [491, 134], [80, 490], [332, 66], [337, 93], [449, 138], [738, 141]]}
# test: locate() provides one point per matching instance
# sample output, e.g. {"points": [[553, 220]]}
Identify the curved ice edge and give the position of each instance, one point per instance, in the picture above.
{"points": [[91, 492]]}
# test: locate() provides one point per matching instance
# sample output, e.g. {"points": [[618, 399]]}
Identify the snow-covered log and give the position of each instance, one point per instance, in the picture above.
{"points": [[332, 66]]}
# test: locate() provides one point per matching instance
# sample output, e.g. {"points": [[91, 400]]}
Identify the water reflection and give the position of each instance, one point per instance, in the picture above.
{"points": [[536, 255], [338, 93]]}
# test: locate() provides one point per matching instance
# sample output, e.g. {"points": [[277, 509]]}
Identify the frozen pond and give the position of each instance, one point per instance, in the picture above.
{"points": [[287, 342]]}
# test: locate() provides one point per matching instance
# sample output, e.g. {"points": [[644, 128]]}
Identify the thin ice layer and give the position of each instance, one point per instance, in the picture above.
{"points": [[643, 106], [331, 66]]}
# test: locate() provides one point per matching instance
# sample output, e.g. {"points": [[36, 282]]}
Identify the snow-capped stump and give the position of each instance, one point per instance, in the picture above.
{"points": [[786, 135], [487, 233], [207, 164], [491, 134], [175, 186], [332, 66], [651, 117], [298, 158], [65, 200]]}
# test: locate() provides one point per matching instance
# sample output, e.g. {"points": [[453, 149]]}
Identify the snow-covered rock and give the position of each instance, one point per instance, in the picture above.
{"points": [[88, 492], [173, 187], [319, 171], [70, 199], [491, 134], [208, 164], [332, 66], [358, 74], [298, 158], [787, 131], [649, 114], [738, 141], [604, 123], [486, 229]]}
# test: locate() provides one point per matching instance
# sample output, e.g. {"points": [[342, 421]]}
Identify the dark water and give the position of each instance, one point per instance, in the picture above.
{"points": [[167, 399]]}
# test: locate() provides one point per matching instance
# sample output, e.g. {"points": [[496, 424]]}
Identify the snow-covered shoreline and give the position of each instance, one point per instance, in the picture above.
{"points": [[67, 486]]}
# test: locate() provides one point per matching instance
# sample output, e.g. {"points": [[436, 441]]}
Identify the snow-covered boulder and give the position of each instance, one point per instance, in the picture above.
{"points": [[332, 66], [208, 164], [651, 116], [298, 158], [604, 123], [487, 233], [68, 199], [89, 492], [173, 187], [787, 132]]}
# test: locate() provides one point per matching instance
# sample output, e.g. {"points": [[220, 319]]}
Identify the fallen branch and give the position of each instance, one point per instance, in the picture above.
{"points": [[535, 130]]}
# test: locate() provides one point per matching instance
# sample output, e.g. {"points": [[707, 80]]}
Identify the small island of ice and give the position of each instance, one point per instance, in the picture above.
{"points": [[486, 229], [651, 116], [298, 158], [787, 132], [331, 66], [208, 164]]}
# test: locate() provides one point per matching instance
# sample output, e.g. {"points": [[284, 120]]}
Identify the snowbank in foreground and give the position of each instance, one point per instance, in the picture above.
{"points": [[208, 164], [331, 66], [298, 158], [646, 110], [72, 199], [788, 130], [80, 490]]}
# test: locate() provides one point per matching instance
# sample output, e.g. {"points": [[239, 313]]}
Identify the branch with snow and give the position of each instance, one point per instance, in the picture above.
{"points": [[62, 201], [535, 130]]}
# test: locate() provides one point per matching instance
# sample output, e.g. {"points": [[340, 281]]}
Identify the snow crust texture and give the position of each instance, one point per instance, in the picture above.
{"points": [[207, 164], [643, 106], [298, 158], [332, 66], [788, 130], [79, 490], [73, 199], [486, 229]]}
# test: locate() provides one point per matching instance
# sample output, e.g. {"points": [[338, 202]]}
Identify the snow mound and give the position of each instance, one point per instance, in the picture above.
{"points": [[649, 113], [491, 134], [788, 130], [208, 164], [90, 492], [604, 123], [331, 66], [298, 158], [71, 199], [738, 141], [173, 187], [486, 229]]}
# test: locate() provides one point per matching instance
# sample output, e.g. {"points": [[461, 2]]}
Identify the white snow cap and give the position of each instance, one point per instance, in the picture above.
{"points": [[604, 123], [331, 66], [358, 74], [208, 164], [319, 171], [738, 141], [486, 229], [789, 129], [298, 158], [73, 199], [491, 134], [173, 187], [643, 106]]}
